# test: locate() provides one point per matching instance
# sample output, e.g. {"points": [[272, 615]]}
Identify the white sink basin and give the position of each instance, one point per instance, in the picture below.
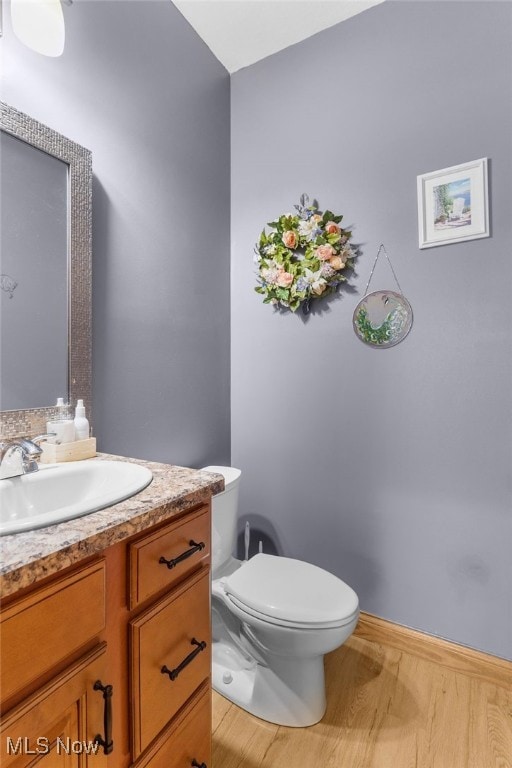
{"points": [[58, 492]]}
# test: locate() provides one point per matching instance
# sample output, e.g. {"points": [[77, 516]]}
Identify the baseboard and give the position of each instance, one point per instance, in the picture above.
{"points": [[456, 657]]}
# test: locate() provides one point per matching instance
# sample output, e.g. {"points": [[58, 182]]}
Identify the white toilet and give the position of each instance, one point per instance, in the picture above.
{"points": [[273, 619]]}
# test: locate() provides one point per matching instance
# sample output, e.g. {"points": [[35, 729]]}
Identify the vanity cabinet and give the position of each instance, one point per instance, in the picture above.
{"points": [[120, 648]]}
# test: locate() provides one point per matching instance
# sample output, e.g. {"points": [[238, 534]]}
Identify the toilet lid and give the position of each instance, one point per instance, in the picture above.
{"points": [[293, 590]]}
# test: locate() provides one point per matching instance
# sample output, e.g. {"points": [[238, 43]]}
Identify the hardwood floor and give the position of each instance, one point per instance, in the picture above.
{"points": [[387, 708]]}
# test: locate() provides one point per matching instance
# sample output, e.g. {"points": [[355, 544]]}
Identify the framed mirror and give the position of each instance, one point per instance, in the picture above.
{"points": [[45, 281]]}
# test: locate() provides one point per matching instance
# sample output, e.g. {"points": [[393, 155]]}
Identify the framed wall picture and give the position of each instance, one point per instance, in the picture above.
{"points": [[453, 204]]}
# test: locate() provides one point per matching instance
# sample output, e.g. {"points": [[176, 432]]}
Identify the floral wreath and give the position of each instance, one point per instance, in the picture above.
{"points": [[303, 258]]}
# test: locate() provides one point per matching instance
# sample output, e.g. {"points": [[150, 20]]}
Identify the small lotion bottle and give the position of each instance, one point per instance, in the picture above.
{"points": [[81, 423]]}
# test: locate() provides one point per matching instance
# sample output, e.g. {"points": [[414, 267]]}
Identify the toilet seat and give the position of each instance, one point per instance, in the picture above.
{"points": [[291, 593], [291, 624]]}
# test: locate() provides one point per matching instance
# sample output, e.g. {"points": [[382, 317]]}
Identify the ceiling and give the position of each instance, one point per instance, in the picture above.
{"points": [[241, 32]]}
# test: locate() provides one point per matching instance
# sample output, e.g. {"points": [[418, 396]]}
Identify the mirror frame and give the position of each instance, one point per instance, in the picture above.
{"points": [[79, 195]]}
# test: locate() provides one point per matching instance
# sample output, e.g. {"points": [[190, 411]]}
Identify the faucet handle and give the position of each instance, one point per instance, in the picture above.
{"points": [[32, 446], [32, 449], [28, 447], [41, 438]]}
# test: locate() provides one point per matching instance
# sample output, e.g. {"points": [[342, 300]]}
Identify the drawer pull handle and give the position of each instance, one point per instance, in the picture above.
{"points": [[106, 743], [194, 547], [195, 764], [173, 673]]}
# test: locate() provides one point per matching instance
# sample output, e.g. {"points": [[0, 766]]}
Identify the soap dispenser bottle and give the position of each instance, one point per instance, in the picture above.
{"points": [[81, 423]]}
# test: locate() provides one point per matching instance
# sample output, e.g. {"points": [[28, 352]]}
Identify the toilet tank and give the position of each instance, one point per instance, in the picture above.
{"points": [[224, 516]]}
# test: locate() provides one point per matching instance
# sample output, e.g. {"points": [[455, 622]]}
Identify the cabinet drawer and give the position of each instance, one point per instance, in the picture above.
{"points": [[42, 629], [175, 543], [188, 739], [162, 637]]}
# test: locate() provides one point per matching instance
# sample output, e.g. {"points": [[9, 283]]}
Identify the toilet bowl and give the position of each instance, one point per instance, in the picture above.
{"points": [[273, 620]]}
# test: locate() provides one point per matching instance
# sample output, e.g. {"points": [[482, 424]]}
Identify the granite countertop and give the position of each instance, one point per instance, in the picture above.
{"points": [[27, 557]]}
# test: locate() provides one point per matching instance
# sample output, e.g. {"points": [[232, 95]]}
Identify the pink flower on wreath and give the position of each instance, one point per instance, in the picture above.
{"points": [[337, 262], [325, 252], [284, 279], [332, 228], [290, 238]]}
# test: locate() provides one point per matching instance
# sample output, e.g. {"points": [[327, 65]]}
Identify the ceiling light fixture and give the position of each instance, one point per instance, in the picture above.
{"points": [[39, 24]]}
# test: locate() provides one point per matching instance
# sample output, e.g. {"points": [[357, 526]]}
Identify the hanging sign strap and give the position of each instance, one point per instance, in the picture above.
{"points": [[382, 249]]}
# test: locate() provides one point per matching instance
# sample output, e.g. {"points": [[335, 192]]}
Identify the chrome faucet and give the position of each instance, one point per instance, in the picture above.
{"points": [[19, 457]]}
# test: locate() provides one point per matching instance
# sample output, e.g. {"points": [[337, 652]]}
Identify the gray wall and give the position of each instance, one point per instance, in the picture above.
{"points": [[390, 468], [139, 88]]}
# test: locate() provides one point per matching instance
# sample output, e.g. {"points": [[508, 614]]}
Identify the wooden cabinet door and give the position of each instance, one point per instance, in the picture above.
{"points": [[58, 724]]}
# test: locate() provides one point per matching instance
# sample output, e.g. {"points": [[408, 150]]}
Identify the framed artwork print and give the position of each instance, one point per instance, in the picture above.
{"points": [[453, 204]]}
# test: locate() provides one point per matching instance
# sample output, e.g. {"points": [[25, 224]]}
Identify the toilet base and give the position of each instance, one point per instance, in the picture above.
{"points": [[292, 693]]}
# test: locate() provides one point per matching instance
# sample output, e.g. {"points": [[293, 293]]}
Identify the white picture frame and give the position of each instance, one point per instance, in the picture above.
{"points": [[453, 204]]}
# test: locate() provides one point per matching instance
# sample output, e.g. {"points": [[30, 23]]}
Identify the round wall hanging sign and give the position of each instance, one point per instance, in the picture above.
{"points": [[382, 319]]}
